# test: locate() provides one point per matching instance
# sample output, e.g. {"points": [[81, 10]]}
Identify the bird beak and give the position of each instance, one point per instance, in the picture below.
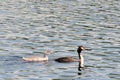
{"points": [[88, 49]]}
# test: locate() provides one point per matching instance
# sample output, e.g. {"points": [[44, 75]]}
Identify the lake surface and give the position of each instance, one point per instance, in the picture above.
{"points": [[29, 27]]}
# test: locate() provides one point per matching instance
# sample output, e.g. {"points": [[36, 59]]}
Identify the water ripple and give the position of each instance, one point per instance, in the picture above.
{"points": [[31, 27]]}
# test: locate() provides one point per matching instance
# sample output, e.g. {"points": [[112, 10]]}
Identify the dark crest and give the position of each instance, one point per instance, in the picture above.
{"points": [[80, 48]]}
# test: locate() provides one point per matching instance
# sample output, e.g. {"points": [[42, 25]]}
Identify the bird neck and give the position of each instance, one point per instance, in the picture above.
{"points": [[81, 61], [79, 53]]}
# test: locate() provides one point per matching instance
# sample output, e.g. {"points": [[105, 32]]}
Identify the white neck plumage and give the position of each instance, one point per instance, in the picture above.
{"points": [[81, 61]]}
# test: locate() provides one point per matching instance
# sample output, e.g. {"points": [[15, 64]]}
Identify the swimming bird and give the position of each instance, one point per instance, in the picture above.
{"points": [[71, 59], [37, 58]]}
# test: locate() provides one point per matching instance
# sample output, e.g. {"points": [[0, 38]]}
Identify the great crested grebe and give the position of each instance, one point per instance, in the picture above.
{"points": [[70, 59], [37, 58]]}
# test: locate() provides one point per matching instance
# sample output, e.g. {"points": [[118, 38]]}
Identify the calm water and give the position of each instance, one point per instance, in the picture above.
{"points": [[29, 27]]}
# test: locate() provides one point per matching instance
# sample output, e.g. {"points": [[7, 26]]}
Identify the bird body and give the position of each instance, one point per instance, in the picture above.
{"points": [[37, 58], [70, 59], [66, 59]]}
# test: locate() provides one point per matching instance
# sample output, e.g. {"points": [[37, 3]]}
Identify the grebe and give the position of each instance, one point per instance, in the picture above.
{"points": [[70, 59], [37, 58]]}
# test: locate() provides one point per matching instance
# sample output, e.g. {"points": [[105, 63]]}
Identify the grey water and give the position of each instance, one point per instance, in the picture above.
{"points": [[29, 27]]}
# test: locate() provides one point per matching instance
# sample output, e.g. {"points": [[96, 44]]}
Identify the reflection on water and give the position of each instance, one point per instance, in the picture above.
{"points": [[29, 27]]}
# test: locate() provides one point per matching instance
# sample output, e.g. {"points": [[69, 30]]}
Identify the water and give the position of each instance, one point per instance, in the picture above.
{"points": [[29, 27]]}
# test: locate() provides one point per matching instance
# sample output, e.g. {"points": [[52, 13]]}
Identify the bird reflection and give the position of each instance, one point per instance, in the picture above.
{"points": [[80, 68]]}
